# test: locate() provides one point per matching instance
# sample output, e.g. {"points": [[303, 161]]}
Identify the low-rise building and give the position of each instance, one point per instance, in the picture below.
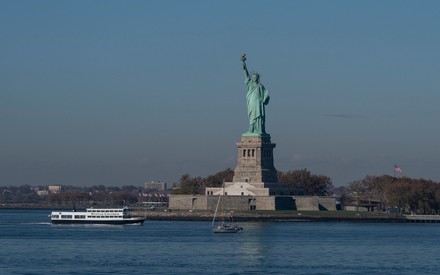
{"points": [[155, 186], [54, 188]]}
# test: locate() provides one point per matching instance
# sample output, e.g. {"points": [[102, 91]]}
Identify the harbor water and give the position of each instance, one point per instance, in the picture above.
{"points": [[29, 244]]}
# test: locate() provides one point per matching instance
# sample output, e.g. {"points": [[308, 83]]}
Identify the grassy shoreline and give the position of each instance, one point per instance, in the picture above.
{"points": [[275, 216]]}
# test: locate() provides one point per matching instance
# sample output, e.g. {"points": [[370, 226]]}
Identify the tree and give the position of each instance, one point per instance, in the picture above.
{"points": [[217, 180], [311, 184], [409, 195], [189, 185], [197, 185]]}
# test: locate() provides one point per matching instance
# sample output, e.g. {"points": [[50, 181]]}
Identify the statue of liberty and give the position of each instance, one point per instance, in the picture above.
{"points": [[257, 96]]}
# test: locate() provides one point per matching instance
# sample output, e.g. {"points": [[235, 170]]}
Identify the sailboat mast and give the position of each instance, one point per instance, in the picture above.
{"points": [[216, 209], [223, 204]]}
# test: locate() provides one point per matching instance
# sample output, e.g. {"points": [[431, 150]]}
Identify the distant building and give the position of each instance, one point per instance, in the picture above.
{"points": [[54, 188], [42, 193], [155, 186]]}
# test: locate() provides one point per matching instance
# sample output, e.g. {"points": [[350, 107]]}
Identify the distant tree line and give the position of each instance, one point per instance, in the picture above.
{"points": [[303, 180], [72, 196], [84, 199], [419, 196], [19, 194]]}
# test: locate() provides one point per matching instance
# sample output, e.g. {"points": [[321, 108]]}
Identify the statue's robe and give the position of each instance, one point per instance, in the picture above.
{"points": [[256, 97]]}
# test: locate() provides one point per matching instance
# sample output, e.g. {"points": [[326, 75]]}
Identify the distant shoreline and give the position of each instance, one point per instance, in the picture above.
{"points": [[247, 216]]}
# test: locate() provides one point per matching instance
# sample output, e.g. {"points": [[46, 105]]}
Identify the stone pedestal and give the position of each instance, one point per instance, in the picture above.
{"points": [[255, 174], [255, 160]]}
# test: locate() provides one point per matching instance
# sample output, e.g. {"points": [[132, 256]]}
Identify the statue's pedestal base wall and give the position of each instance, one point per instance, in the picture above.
{"points": [[240, 203], [251, 189]]}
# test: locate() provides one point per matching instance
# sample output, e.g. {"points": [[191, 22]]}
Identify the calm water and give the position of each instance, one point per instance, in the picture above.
{"points": [[30, 245]]}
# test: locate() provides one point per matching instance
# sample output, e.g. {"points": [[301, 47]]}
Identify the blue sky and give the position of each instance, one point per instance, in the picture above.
{"points": [[124, 92]]}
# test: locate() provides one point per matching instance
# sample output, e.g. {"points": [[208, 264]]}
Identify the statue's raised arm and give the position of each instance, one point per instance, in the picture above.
{"points": [[243, 59]]}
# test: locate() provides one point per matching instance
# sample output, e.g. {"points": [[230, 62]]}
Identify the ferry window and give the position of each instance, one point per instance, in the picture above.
{"points": [[55, 216], [66, 216]]}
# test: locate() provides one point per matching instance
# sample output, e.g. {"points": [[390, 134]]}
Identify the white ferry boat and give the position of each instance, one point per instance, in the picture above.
{"points": [[95, 216]]}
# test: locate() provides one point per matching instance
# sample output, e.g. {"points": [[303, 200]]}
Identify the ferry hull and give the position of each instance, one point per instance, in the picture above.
{"points": [[134, 221]]}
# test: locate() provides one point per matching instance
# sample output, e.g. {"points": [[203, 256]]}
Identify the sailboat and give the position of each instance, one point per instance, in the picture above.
{"points": [[223, 227]]}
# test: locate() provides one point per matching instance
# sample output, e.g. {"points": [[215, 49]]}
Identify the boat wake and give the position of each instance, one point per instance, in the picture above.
{"points": [[40, 223]]}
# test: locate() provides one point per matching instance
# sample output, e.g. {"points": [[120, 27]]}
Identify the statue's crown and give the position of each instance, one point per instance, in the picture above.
{"points": [[255, 73]]}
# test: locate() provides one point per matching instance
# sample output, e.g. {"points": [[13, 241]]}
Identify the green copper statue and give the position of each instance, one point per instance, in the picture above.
{"points": [[257, 96]]}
